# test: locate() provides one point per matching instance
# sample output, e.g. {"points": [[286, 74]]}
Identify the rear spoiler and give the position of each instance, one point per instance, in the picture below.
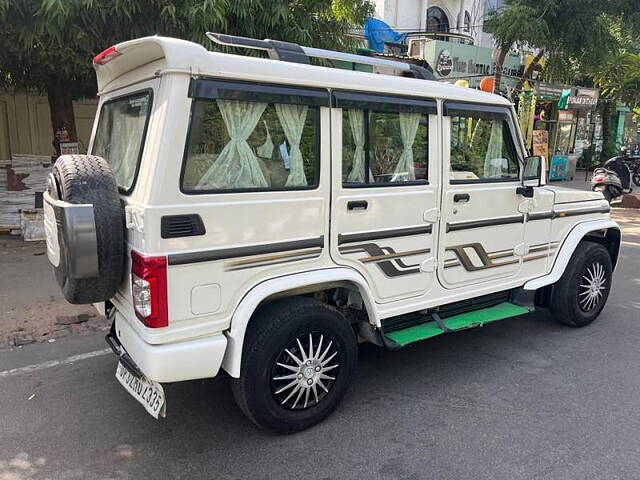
{"points": [[122, 58]]}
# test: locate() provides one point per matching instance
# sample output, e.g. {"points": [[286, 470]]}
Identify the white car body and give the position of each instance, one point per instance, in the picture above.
{"points": [[211, 301]]}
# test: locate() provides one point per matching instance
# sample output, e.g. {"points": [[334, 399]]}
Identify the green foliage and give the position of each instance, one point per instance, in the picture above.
{"points": [[619, 78], [578, 35], [48, 40]]}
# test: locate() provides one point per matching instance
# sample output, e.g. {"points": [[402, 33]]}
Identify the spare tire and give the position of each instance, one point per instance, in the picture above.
{"points": [[87, 179]]}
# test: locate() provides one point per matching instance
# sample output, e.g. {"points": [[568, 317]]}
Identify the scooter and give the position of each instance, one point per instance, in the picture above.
{"points": [[612, 179]]}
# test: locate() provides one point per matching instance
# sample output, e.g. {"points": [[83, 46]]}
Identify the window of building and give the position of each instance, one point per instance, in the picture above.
{"points": [[384, 148], [482, 149], [437, 20], [467, 21], [251, 145]]}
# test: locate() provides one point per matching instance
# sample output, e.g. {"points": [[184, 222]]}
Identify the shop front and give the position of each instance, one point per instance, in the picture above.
{"points": [[566, 128], [459, 61]]}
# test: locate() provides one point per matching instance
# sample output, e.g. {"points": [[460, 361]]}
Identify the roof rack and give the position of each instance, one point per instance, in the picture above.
{"points": [[292, 52]]}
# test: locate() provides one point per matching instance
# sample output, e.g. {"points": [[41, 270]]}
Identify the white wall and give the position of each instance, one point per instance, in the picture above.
{"points": [[405, 15]]}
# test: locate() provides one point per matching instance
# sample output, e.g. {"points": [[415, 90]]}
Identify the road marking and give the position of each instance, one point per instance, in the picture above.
{"points": [[53, 363]]}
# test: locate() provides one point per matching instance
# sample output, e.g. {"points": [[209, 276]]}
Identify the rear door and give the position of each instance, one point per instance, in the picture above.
{"points": [[482, 224], [385, 191]]}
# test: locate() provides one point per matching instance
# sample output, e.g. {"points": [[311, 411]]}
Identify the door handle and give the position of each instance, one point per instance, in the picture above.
{"points": [[357, 205], [461, 197]]}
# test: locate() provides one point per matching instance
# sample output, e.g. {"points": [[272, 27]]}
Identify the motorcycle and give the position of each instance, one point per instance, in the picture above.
{"points": [[612, 179], [633, 162]]}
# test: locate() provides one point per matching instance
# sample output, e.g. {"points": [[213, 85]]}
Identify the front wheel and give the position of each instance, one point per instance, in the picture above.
{"points": [[582, 291], [298, 359]]}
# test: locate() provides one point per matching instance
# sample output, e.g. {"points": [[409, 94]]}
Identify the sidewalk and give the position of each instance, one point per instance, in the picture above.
{"points": [[32, 308]]}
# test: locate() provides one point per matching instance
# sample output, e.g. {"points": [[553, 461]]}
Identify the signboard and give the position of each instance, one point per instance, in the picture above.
{"points": [[69, 148], [565, 116], [558, 167], [552, 91], [541, 143], [582, 103], [451, 61]]}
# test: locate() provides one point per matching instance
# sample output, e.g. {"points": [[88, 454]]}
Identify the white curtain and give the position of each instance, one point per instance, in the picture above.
{"points": [[236, 165], [356, 122], [494, 164], [266, 149], [404, 170], [292, 118], [121, 144]]}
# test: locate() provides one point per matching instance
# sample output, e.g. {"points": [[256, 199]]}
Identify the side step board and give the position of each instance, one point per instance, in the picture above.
{"points": [[462, 321]]}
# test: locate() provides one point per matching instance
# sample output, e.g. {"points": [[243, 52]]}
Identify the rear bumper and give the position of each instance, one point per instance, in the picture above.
{"points": [[174, 362]]}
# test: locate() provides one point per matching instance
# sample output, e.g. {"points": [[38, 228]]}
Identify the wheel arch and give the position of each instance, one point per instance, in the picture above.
{"points": [[604, 231], [280, 287]]}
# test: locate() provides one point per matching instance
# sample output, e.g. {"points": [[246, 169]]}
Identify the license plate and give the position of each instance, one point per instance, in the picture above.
{"points": [[150, 394], [600, 188]]}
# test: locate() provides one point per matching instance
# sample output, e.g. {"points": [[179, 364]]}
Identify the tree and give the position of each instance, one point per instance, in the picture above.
{"points": [[577, 31], [47, 45]]}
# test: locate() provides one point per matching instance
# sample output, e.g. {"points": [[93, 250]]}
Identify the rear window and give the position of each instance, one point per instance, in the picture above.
{"points": [[120, 135], [250, 146]]}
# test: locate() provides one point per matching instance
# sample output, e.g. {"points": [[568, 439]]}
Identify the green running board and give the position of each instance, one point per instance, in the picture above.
{"points": [[463, 321]]}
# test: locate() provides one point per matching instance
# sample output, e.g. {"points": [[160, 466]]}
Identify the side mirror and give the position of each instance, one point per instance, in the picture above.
{"points": [[535, 168]]}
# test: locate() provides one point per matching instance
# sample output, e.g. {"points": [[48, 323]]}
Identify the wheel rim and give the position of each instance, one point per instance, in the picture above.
{"points": [[592, 287], [305, 371]]}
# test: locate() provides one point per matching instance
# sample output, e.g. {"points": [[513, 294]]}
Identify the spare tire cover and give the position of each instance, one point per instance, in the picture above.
{"points": [[87, 179]]}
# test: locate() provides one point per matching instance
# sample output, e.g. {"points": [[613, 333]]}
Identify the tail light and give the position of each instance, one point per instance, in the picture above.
{"points": [[106, 56], [599, 179], [149, 289]]}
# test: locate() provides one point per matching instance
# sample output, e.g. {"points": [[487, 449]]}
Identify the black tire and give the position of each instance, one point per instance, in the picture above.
{"points": [[275, 328], [636, 178], [88, 179], [570, 304], [607, 195]]}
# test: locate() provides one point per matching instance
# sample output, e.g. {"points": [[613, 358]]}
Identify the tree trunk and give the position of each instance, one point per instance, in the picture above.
{"points": [[499, 64], [63, 120], [527, 73]]}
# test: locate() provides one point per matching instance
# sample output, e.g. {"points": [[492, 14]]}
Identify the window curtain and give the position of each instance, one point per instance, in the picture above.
{"points": [[236, 165], [292, 118], [266, 149], [404, 170], [494, 164], [356, 122]]}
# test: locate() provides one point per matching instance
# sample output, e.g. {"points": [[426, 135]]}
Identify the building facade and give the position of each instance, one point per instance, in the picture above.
{"points": [[454, 16]]}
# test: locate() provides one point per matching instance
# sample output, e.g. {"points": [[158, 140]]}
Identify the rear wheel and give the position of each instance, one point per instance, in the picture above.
{"points": [[298, 360], [636, 177], [580, 295]]}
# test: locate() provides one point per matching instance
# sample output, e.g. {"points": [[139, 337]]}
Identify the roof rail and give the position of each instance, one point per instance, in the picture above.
{"points": [[292, 52]]}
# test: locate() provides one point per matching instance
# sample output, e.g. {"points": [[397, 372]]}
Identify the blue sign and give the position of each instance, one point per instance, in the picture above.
{"points": [[559, 167]]}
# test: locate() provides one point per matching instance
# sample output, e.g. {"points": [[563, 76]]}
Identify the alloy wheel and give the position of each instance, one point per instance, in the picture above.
{"points": [[592, 287], [304, 371]]}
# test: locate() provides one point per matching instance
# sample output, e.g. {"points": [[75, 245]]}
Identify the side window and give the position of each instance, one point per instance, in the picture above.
{"points": [[251, 145], [482, 149], [383, 148]]}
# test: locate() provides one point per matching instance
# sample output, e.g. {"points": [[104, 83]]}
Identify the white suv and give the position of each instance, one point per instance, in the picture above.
{"points": [[264, 215]]}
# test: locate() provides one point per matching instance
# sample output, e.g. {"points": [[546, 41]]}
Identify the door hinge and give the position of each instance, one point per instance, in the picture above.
{"points": [[432, 215], [134, 218]]}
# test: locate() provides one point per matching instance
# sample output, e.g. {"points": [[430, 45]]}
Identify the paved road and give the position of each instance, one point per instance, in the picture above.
{"points": [[520, 399]]}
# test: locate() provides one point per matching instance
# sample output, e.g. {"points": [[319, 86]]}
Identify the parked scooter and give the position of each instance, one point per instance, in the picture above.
{"points": [[612, 180]]}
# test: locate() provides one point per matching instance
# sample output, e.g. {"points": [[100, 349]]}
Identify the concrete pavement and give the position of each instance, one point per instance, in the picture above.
{"points": [[519, 399]]}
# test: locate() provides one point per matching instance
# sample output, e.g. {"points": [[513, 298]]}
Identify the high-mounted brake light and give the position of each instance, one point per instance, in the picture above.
{"points": [[149, 289], [106, 55]]}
